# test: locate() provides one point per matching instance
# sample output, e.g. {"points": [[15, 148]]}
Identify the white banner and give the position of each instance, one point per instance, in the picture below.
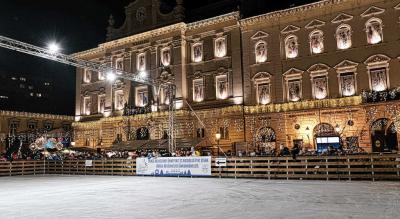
{"points": [[88, 163], [174, 166]]}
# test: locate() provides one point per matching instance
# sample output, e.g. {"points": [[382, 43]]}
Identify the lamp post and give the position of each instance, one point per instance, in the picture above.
{"points": [[218, 137]]}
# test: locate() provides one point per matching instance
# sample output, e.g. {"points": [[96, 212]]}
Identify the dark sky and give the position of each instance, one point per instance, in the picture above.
{"points": [[78, 25]]}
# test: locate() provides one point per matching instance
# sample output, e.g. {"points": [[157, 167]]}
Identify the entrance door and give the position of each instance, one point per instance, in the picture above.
{"points": [[383, 136]]}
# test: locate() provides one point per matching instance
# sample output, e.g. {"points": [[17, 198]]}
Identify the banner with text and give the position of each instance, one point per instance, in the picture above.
{"points": [[174, 166]]}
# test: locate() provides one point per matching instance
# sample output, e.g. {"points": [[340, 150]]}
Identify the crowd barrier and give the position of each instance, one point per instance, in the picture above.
{"points": [[352, 167]]}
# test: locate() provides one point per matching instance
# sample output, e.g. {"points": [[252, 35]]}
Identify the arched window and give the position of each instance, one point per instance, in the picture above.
{"points": [[266, 134], [260, 50], [142, 133], [343, 36], [316, 42], [373, 27], [291, 47]]}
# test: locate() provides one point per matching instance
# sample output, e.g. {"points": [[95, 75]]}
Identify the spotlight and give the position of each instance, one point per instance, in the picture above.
{"points": [[111, 76], [53, 47]]}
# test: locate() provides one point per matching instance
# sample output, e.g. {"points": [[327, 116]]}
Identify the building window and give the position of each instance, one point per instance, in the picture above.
{"points": [[378, 72], [197, 52], [101, 103], [220, 47], [22, 79], [200, 133], [119, 64], [291, 47], [198, 90], [142, 96], [141, 62], [224, 131], [346, 72], [347, 84], [320, 87], [261, 51], [165, 96], [343, 36], [374, 31], [221, 85], [87, 103], [38, 95], [166, 56], [262, 82], [378, 79], [319, 80], [87, 76], [317, 42], [293, 81], [263, 93], [119, 101], [45, 84], [294, 90]]}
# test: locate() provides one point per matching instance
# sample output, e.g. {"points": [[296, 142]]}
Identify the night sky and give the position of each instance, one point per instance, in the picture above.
{"points": [[80, 25]]}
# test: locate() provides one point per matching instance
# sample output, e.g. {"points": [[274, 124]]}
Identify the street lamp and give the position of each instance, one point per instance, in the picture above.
{"points": [[218, 137]]}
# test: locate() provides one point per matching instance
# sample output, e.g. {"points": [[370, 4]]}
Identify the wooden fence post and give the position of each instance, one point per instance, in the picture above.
{"points": [[269, 169], [327, 170], [372, 169], [348, 166], [287, 168]]}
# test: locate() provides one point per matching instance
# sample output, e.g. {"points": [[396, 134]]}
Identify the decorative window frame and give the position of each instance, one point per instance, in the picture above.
{"points": [[314, 32], [193, 92], [255, 51], [162, 50], [341, 26], [293, 74], [137, 89], [216, 86], [192, 51], [101, 76], [116, 92], [297, 45], [376, 62], [33, 123], [317, 71], [215, 46], [259, 79], [366, 29], [138, 68], [84, 110], [162, 95], [99, 97], [346, 67]]}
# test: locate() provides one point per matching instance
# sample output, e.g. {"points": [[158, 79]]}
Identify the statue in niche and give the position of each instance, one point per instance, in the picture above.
{"points": [[197, 53], [263, 93], [166, 57], [317, 43], [294, 90], [142, 62], [261, 52], [220, 47], [378, 79], [374, 32], [222, 88], [343, 38], [347, 85], [320, 88], [291, 48]]}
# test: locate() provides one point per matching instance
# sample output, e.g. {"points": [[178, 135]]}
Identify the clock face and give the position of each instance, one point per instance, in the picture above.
{"points": [[141, 14]]}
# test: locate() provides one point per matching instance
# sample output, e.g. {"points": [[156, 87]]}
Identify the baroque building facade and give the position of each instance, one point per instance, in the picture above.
{"points": [[325, 73]]}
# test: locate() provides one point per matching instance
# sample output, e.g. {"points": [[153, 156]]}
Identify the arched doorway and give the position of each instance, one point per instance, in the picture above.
{"points": [[383, 136], [142, 133], [266, 138], [325, 136]]}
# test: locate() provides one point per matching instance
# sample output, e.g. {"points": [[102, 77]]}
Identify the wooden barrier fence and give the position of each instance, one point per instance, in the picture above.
{"points": [[352, 167]]}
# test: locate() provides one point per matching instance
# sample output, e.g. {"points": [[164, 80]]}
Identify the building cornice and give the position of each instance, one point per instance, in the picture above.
{"points": [[35, 115], [131, 39], [214, 20], [290, 11]]}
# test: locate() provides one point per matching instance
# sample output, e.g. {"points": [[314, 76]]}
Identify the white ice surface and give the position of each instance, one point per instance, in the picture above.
{"points": [[149, 197]]}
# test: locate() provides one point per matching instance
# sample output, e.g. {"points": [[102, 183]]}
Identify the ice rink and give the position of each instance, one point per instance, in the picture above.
{"points": [[149, 197]]}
